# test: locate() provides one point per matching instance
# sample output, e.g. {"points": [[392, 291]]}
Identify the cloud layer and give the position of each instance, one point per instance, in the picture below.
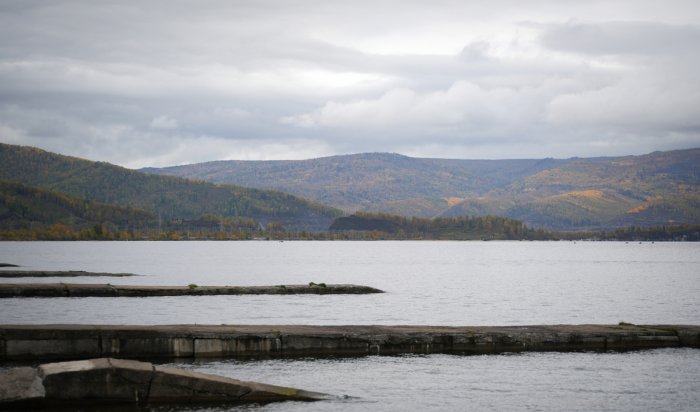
{"points": [[172, 82]]}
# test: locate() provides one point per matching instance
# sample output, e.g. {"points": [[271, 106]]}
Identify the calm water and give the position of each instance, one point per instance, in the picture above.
{"points": [[436, 283], [659, 380]]}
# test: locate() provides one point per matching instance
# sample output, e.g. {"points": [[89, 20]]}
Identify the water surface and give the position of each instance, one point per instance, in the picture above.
{"points": [[427, 283]]}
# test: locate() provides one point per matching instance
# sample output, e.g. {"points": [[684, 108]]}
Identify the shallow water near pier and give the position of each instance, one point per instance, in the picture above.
{"points": [[426, 283], [650, 380]]}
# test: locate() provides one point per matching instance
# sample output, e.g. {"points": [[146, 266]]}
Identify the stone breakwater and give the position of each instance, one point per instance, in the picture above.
{"points": [[114, 381], [56, 290], [48, 342], [57, 274]]}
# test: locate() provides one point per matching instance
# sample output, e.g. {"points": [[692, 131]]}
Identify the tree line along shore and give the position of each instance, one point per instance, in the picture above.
{"points": [[359, 226]]}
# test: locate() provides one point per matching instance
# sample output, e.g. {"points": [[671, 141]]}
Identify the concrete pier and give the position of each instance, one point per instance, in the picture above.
{"points": [[49, 342], [55, 290], [114, 381]]}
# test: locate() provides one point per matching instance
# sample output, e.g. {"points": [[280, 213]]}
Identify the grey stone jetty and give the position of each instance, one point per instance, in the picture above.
{"points": [[10, 290], [49, 342], [57, 274], [115, 381]]}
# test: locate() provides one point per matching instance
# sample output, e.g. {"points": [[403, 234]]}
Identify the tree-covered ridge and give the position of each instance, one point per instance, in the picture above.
{"points": [[659, 188], [353, 182], [166, 197], [26, 211], [380, 226], [384, 226], [21, 205]]}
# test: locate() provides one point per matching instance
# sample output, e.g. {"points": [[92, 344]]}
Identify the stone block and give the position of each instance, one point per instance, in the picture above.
{"points": [[51, 348], [214, 347], [177, 385], [235, 346], [20, 385], [147, 347], [101, 380], [117, 381], [263, 393]]}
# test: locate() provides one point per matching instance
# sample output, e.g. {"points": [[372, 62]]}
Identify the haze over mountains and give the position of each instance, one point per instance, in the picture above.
{"points": [[659, 188]]}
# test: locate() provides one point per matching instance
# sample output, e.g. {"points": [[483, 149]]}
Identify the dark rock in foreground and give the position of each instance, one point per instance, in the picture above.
{"points": [[55, 273], [10, 290], [44, 342], [114, 381]]}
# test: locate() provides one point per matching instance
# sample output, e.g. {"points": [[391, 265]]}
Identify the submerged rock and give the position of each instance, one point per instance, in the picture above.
{"points": [[119, 381]]}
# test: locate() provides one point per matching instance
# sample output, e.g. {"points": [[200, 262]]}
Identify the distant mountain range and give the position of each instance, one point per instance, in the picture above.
{"points": [[49, 187], [659, 188]]}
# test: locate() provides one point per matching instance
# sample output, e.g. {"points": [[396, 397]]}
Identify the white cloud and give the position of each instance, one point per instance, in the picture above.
{"points": [[463, 103], [634, 103]]}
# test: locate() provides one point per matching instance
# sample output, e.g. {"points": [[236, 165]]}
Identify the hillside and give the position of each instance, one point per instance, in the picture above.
{"points": [[361, 181], [383, 226], [26, 208], [165, 197], [21, 204], [566, 194]]}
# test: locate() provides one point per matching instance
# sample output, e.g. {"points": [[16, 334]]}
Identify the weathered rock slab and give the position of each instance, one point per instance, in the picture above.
{"points": [[55, 273], [118, 381], [12, 290]]}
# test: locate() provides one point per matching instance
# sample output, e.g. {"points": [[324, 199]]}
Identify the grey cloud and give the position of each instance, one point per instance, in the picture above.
{"points": [[159, 82], [624, 37]]}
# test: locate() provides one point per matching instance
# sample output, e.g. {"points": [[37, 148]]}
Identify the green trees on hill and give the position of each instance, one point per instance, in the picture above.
{"points": [[368, 226], [169, 197], [383, 226], [28, 213], [23, 207], [548, 193]]}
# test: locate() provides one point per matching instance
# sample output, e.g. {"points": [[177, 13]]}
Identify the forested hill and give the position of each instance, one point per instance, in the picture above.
{"points": [[169, 198], [58, 216], [383, 226], [567, 194]]}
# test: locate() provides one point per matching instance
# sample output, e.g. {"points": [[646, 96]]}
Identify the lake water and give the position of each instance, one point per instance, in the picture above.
{"points": [[427, 283]]}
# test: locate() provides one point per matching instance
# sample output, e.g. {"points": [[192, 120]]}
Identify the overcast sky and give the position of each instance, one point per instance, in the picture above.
{"points": [[156, 83]]}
